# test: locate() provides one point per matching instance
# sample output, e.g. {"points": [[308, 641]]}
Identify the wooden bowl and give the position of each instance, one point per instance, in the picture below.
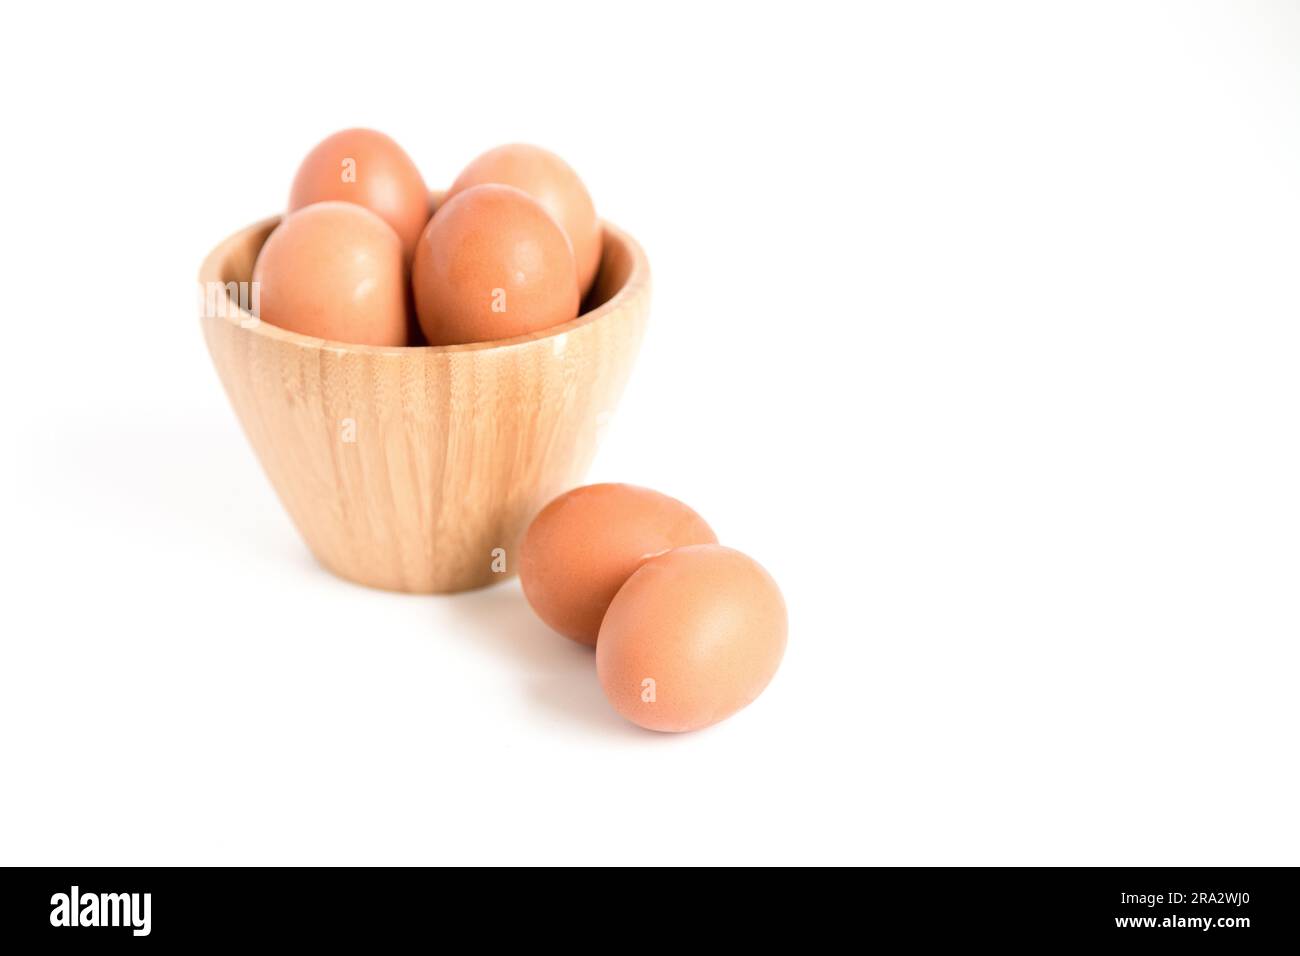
{"points": [[418, 469]]}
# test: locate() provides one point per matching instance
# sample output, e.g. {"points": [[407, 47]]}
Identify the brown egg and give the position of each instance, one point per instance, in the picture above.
{"points": [[691, 638], [554, 184], [492, 264], [583, 545], [334, 270], [365, 167]]}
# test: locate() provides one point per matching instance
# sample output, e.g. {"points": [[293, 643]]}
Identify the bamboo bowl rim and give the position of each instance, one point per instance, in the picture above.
{"points": [[214, 267]]}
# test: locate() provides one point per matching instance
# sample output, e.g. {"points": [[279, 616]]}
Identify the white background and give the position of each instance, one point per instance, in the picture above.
{"points": [[976, 324]]}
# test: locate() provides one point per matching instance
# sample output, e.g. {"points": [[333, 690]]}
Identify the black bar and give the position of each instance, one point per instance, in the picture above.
{"points": [[1225, 908]]}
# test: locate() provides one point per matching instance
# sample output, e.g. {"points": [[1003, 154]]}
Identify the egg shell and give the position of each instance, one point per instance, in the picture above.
{"points": [[334, 271], [492, 264], [365, 167], [585, 544], [553, 183], [693, 636]]}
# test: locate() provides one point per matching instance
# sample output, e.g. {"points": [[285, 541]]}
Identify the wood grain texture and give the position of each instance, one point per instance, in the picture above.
{"points": [[405, 468]]}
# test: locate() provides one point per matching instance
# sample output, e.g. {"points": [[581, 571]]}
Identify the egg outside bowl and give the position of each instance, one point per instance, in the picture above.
{"points": [[417, 469]]}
